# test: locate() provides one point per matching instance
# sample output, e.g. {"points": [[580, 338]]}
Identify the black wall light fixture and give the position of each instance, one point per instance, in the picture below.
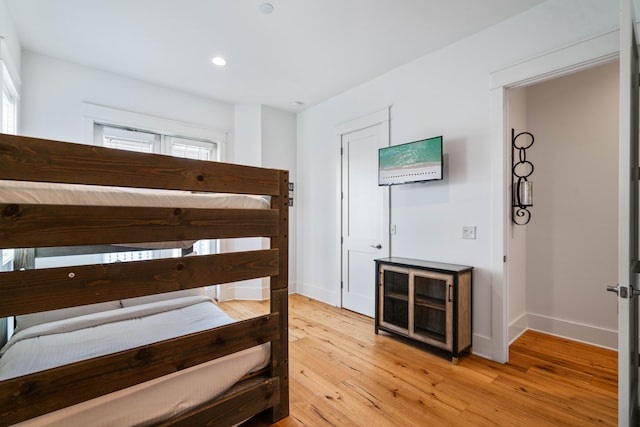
{"points": [[521, 169]]}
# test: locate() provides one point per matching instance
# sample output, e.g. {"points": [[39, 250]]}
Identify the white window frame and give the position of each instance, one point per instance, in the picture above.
{"points": [[161, 143], [167, 145], [10, 84], [154, 144], [99, 114], [8, 93]]}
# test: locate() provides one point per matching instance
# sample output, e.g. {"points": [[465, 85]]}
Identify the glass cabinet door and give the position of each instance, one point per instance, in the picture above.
{"points": [[394, 295], [432, 308], [424, 301]]}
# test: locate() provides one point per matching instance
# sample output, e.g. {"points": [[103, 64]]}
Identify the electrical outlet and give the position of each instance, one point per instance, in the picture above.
{"points": [[469, 232]]}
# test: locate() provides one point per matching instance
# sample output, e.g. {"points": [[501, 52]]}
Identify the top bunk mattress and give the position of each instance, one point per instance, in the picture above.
{"points": [[28, 192]]}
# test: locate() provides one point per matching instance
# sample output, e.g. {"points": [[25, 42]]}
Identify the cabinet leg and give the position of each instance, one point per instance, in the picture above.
{"points": [[454, 361]]}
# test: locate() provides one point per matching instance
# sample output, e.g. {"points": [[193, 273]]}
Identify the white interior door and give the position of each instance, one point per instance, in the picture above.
{"points": [[628, 223], [365, 216]]}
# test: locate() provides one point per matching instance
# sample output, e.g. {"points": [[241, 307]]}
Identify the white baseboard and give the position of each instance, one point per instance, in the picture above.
{"points": [[483, 347], [320, 294], [587, 334], [250, 293], [224, 293], [293, 288], [517, 327]]}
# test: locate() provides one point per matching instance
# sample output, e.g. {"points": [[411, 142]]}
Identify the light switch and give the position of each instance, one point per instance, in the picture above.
{"points": [[469, 232]]}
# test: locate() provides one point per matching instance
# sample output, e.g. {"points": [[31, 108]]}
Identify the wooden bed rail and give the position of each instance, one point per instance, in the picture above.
{"points": [[31, 291], [32, 395], [70, 163], [250, 396], [25, 225], [279, 299]]}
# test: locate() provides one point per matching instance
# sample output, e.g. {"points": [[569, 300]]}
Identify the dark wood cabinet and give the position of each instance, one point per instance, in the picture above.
{"points": [[426, 301]]}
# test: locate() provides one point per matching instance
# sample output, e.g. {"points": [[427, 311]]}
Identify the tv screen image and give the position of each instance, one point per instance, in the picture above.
{"points": [[411, 162]]}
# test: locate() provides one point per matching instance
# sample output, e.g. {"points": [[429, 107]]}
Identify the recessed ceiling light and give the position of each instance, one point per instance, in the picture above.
{"points": [[266, 8], [219, 61]]}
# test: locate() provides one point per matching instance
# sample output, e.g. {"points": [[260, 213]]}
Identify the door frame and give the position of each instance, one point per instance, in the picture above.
{"points": [[628, 220], [372, 119], [569, 59]]}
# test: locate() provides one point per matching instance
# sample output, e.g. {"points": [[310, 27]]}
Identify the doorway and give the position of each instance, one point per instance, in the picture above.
{"points": [[561, 260], [564, 61]]}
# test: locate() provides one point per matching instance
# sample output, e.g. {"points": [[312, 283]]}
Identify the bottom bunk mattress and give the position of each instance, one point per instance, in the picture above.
{"points": [[65, 341]]}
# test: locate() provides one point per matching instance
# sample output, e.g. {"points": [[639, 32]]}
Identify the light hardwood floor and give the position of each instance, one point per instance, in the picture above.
{"points": [[343, 374]]}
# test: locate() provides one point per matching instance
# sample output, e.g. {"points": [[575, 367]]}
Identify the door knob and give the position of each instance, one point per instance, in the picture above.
{"points": [[378, 246], [624, 292]]}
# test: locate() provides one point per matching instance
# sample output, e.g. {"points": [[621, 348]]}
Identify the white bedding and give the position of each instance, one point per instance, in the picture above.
{"points": [[41, 347], [90, 195]]}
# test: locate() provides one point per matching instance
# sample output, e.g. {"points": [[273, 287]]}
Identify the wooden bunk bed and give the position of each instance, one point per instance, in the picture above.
{"points": [[25, 225]]}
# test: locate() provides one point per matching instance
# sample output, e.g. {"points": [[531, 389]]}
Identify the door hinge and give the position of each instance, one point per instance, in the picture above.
{"points": [[341, 285], [504, 258], [341, 240]]}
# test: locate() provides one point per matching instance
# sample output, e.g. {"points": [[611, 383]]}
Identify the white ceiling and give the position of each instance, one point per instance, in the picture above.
{"points": [[305, 50]]}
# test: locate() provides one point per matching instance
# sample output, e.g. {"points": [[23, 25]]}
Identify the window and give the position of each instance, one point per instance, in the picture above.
{"points": [[154, 142], [128, 256], [129, 139], [9, 111], [7, 258], [192, 149], [9, 114]]}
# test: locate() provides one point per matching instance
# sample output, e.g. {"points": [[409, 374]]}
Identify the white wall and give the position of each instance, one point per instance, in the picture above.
{"points": [[572, 243], [248, 134], [279, 151], [10, 36], [54, 91], [445, 93]]}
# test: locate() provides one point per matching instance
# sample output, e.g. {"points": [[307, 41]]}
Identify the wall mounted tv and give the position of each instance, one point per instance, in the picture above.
{"points": [[415, 161]]}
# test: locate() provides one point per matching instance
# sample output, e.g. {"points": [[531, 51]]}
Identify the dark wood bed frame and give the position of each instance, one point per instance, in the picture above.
{"points": [[29, 291]]}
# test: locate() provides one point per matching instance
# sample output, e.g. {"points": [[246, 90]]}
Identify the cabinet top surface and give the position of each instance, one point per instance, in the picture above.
{"points": [[409, 262]]}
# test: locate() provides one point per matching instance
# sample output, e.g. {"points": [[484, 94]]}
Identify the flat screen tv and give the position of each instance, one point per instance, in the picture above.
{"points": [[415, 161]]}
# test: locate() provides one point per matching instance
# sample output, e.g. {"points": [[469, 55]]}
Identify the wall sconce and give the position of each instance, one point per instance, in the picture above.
{"points": [[521, 169]]}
